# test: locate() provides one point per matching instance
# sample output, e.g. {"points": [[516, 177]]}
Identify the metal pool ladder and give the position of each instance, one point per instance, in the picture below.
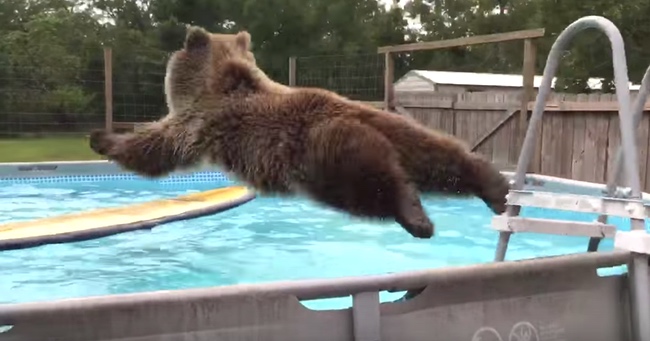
{"points": [[618, 203]]}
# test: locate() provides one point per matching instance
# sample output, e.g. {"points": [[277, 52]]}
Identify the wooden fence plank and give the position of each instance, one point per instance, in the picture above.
{"points": [[602, 127], [614, 136], [566, 150], [549, 145], [501, 138], [643, 134], [448, 121], [578, 151]]}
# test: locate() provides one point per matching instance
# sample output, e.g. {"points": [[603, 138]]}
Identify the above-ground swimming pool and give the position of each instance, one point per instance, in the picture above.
{"points": [[267, 239]]}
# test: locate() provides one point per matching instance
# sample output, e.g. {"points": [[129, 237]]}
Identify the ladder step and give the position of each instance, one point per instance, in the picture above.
{"points": [[631, 208], [518, 224], [634, 241]]}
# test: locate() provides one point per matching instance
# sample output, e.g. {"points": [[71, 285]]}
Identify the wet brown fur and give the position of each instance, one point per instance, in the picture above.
{"points": [[224, 110]]}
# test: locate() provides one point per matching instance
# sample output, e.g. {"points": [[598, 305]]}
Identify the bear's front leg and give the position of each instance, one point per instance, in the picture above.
{"points": [[150, 153], [485, 181]]}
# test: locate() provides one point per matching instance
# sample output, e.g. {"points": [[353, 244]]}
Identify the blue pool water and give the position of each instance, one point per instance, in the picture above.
{"points": [[267, 239]]}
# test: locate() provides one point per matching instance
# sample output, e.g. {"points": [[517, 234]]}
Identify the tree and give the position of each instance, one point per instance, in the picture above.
{"points": [[45, 60], [51, 58]]}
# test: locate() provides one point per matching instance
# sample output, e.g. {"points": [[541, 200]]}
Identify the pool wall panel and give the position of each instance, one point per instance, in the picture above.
{"points": [[554, 298]]}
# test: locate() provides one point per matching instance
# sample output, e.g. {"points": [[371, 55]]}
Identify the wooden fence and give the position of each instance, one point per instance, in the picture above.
{"points": [[579, 135]]}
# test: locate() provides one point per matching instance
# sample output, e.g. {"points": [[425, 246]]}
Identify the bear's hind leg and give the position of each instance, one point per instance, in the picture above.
{"points": [[354, 168]]}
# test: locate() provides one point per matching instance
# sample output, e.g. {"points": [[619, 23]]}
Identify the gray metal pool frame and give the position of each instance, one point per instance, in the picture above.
{"points": [[557, 298], [541, 299]]}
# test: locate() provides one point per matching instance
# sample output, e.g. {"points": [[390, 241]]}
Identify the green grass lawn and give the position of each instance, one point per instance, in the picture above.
{"points": [[46, 149]]}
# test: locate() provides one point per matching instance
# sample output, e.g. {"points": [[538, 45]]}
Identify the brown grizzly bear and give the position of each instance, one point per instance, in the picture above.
{"points": [[286, 141]]}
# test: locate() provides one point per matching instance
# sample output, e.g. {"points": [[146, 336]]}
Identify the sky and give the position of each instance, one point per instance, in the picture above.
{"points": [[413, 23]]}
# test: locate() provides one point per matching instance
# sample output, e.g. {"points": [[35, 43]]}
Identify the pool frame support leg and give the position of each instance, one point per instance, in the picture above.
{"points": [[366, 316], [640, 296], [637, 242]]}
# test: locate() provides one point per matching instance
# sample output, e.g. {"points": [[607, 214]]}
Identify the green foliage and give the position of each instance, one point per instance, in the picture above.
{"points": [[69, 99], [51, 59]]}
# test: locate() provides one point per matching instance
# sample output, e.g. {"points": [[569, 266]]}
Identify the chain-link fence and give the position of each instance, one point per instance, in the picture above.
{"points": [[359, 77], [37, 100]]}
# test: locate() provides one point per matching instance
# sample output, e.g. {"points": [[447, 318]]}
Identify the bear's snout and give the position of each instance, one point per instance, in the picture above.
{"points": [[100, 141]]}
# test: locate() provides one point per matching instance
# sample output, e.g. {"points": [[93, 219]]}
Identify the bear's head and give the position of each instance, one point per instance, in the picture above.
{"points": [[196, 69]]}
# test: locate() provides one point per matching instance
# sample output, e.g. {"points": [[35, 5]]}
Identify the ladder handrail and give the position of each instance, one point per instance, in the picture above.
{"points": [[640, 312], [637, 116], [628, 131], [614, 179], [622, 93]]}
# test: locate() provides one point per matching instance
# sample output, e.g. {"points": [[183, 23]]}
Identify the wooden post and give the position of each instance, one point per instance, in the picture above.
{"points": [[389, 74], [529, 36], [530, 52], [108, 87], [465, 41], [292, 71]]}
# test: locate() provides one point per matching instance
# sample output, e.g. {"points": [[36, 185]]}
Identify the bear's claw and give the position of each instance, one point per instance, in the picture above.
{"points": [[419, 227]]}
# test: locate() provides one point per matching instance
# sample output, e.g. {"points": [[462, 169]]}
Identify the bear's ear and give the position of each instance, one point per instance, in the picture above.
{"points": [[234, 76], [243, 40], [196, 38]]}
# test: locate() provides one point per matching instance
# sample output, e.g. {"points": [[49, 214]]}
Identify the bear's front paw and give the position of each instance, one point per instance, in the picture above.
{"points": [[417, 224], [496, 197], [498, 207], [423, 229], [101, 141]]}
